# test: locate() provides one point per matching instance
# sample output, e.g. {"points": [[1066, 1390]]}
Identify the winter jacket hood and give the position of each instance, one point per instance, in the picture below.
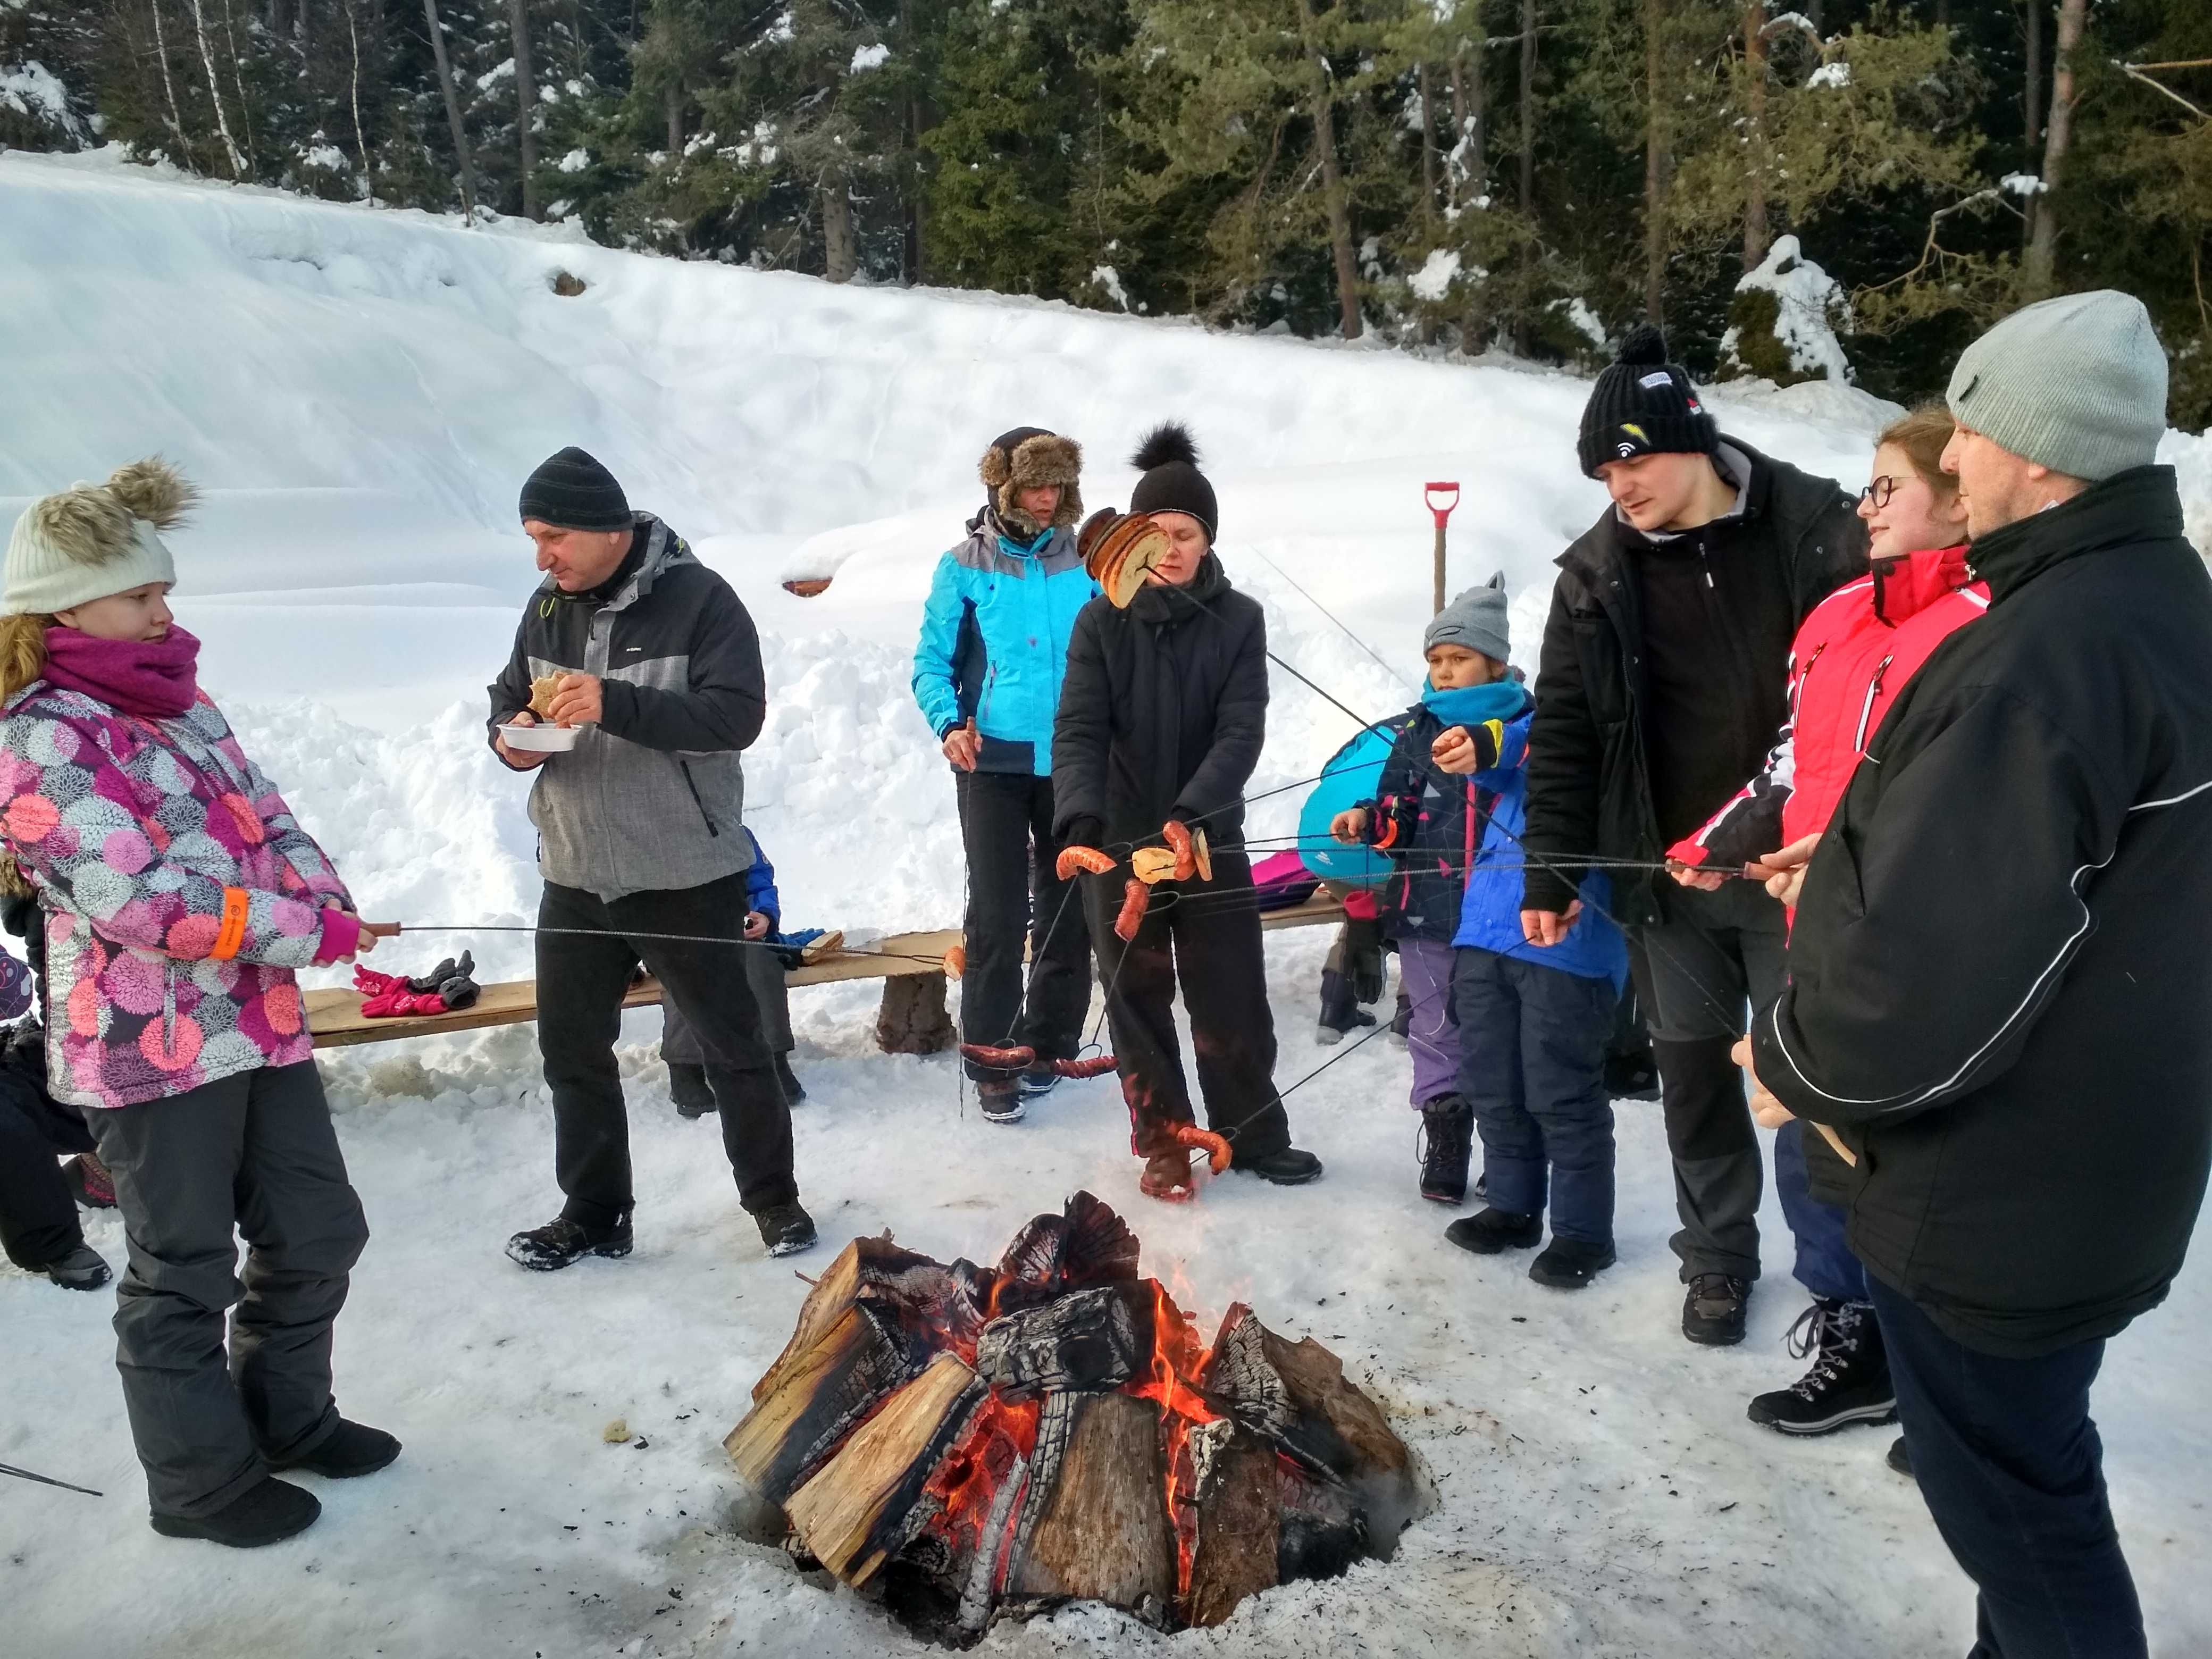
{"points": [[179, 894], [650, 798], [1752, 576], [1164, 712], [993, 644], [2002, 954]]}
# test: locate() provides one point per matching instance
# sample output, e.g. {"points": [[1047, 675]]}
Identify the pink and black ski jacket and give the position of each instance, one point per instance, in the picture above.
{"points": [[1854, 652]]}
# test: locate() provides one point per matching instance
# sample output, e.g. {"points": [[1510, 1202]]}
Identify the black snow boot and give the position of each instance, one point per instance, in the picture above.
{"points": [[1038, 1082], [688, 1087], [1492, 1232], [265, 1513], [1401, 1018], [1713, 1311], [1850, 1379], [785, 1228], [1340, 1012], [1899, 1458], [793, 1091], [1288, 1167], [1002, 1100], [1447, 1148], [81, 1269], [1570, 1264], [347, 1451], [561, 1243]]}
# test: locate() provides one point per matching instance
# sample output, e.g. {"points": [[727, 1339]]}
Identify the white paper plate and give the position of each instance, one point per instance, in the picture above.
{"points": [[545, 739]]}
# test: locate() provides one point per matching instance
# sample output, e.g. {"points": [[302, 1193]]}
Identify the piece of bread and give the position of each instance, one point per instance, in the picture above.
{"points": [[541, 696]]}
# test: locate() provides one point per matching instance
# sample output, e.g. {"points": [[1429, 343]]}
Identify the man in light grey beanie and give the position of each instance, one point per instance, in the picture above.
{"points": [[1476, 619], [1998, 973]]}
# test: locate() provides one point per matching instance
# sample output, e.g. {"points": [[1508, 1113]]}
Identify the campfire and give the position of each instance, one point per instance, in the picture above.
{"points": [[974, 1443]]}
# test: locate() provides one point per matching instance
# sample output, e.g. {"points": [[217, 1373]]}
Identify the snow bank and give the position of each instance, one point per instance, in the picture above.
{"points": [[362, 393]]}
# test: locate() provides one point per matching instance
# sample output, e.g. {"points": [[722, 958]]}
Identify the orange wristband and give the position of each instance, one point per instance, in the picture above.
{"points": [[233, 932]]}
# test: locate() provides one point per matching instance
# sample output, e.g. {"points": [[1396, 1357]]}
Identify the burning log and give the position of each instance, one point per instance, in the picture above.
{"points": [[968, 1442]]}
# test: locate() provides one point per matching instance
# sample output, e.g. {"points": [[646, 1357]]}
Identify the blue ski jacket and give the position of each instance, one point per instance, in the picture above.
{"points": [[993, 643]]}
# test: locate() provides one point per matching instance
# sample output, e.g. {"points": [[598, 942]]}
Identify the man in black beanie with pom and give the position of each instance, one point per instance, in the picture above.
{"points": [[1161, 719], [654, 660], [1662, 687]]}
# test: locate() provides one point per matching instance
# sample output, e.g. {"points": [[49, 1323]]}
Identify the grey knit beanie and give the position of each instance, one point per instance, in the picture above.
{"points": [[2076, 384], [1476, 619]]}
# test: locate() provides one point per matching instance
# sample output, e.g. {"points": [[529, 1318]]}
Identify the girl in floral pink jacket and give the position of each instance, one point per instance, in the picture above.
{"points": [[180, 896]]}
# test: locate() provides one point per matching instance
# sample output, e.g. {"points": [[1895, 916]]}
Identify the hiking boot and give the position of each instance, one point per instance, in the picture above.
{"points": [[1850, 1379], [1167, 1176], [1900, 1458], [1447, 1147], [1034, 1085], [1492, 1231], [1288, 1167], [1001, 1100], [785, 1228], [267, 1512], [688, 1087], [794, 1091], [1570, 1264], [561, 1243], [348, 1450], [88, 1182], [1712, 1312], [81, 1269], [1329, 1035]]}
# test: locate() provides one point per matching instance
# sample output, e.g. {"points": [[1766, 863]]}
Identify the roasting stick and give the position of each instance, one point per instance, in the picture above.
{"points": [[47, 1481]]}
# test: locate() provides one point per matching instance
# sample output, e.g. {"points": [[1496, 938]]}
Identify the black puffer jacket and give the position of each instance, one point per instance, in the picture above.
{"points": [[2002, 963], [1163, 711], [1609, 720]]}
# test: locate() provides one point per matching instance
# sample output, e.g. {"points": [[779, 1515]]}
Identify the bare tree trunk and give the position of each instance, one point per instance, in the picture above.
{"points": [[673, 101], [1658, 162], [1428, 143], [1755, 235], [238, 80], [169, 86], [453, 110], [2031, 102], [1528, 106], [215, 93], [840, 258], [2042, 246], [360, 139], [1332, 181], [525, 97]]}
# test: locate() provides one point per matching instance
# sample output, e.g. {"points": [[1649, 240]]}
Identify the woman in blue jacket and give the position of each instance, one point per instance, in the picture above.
{"points": [[986, 673]]}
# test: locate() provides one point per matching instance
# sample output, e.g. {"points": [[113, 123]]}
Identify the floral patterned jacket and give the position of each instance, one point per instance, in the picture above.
{"points": [[180, 895]]}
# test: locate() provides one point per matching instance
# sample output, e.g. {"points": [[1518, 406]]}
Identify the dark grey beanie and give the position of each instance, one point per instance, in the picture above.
{"points": [[1476, 619], [572, 491]]}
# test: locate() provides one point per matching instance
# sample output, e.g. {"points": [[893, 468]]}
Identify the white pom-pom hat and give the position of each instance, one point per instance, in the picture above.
{"points": [[93, 540]]}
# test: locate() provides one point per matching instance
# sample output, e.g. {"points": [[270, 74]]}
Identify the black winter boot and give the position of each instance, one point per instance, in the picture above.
{"points": [[81, 1269], [1850, 1379], [1002, 1100], [1340, 1012], [1447, 1148], [689, 1088], [1900, 1458], [1288, 1168], [265, 1513], [347, 1451], [1570, 1264], [1713, 1311], [785, 1228], [561, 1243], [1492, 1232]]}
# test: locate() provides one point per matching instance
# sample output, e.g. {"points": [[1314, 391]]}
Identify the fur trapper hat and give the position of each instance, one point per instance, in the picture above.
{"points": [[1028, 458], [93, 540]]}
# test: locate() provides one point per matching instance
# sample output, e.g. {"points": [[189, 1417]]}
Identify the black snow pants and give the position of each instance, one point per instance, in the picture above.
{"points": [[38, 1217], [1017, 900], [1206, 935]]}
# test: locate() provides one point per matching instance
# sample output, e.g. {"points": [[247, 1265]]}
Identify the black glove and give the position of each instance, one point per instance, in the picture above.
{"points": [[1082, 832]]}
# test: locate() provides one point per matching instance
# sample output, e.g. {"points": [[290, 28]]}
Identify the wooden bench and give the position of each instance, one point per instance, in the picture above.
{"points": [[913, 1018]]}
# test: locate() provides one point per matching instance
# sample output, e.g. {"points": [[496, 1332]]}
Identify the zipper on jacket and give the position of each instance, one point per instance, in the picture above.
{"points": [[1866, 710], [1797, 690], [697, 800]]}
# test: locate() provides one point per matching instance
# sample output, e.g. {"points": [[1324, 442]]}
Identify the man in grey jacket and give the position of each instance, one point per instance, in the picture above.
{"points": [[654, 660]]}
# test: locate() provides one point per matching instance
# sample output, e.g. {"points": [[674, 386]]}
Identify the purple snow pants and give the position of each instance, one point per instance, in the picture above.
{"points": [[1425, 969]]}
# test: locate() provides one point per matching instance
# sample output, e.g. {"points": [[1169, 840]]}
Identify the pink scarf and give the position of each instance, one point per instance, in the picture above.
{"points": [[156, 679]]}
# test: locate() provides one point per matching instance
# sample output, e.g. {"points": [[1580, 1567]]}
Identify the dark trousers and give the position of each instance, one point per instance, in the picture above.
{"points": [[1017, 900], [2013, 1471], [1206, 934], [1825, 1264], [1699, 970], [1532, 1065], [581, 979], [764, 972], [38, 1217], [256, 1155]]}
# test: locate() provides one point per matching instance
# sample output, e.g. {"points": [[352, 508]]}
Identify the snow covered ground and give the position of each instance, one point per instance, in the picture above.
{"points": [[361, 393]]}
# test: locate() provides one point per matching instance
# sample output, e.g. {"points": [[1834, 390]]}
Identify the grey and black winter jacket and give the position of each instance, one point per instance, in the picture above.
{"points": [[650, 798]]}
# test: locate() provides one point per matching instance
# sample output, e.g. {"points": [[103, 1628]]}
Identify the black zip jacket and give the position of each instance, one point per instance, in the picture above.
{"points": [[2002, 964], [1665, 671], [1426, 822], [1162, 711]]}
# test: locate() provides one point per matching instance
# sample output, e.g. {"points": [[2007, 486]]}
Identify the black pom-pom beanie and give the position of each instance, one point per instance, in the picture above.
{"points": [[1643, 404], [1172, 483], [571, 490]]}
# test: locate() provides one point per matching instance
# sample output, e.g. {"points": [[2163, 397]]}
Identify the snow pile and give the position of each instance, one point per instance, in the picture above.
{"points": [[1782, 323], [32, 90], [1437, 275], [361, 394]]}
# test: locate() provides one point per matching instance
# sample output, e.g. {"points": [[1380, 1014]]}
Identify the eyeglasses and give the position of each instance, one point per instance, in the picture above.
{"points": [[1879, 490]]}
